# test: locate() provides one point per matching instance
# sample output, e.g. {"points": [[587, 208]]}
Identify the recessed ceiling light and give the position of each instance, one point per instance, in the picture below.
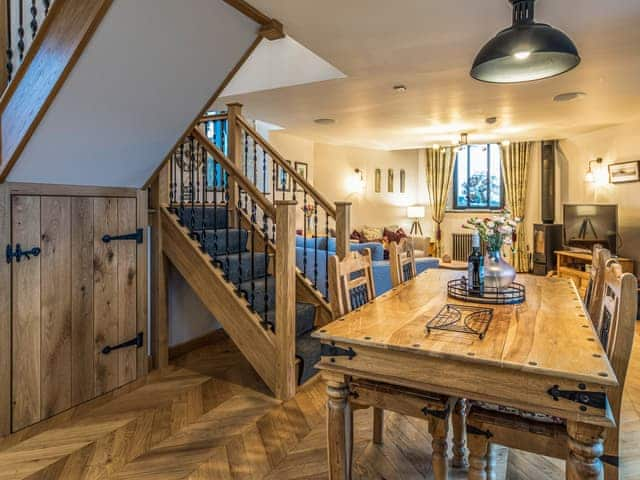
{"points": [[325, 121], [567, 97], [491, 120], [399, 88]]}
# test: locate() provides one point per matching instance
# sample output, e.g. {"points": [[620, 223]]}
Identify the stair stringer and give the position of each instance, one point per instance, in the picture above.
{"points": [[219, 297]]}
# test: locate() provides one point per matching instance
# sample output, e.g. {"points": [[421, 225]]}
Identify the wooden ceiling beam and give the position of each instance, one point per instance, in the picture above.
{"points": [[271, 29]]}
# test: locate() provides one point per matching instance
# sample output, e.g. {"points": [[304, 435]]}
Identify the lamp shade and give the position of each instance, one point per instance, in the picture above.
{"points": [[525, 51], [415, 212]]}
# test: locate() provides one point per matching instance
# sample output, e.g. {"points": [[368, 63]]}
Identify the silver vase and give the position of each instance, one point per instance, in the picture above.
{"points": [[498, 273]]}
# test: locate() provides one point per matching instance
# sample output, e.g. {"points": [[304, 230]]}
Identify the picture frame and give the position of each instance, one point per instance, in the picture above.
{"points": [[283, 179], [624, 172], [301, 169]]}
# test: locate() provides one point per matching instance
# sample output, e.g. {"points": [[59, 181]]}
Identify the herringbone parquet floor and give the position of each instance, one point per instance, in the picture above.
{"points": [[210, 417]]}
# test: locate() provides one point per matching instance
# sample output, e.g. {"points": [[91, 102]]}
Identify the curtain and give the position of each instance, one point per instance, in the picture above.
{"points": [[515, 171], [439, 172]]}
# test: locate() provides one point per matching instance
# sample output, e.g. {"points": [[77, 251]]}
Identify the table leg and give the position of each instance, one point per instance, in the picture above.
{"points": [[439, 430], [378, 425], [478, 456], [459, 424], [339, 429], [585, 448]]}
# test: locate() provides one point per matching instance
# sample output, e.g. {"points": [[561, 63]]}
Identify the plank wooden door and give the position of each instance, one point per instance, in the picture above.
{"points": [[78, 296]]}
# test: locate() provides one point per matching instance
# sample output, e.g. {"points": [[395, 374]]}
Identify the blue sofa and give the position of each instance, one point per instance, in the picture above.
{"points": [[327, 247]]}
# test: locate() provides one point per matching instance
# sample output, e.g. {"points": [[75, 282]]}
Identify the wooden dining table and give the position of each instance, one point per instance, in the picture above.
{"points": [[545, 345]]}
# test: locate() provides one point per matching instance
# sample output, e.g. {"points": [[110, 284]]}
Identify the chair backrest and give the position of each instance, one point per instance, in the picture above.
{"points": [[402, 261], [593, 299], [350, 282]]}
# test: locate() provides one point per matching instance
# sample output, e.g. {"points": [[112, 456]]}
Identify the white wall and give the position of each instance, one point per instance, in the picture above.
{"points": [[148, 70], [616, 144]]}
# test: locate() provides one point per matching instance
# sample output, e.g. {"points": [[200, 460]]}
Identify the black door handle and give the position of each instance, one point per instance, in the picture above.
{"points": [[137, 341], [19, 253]]}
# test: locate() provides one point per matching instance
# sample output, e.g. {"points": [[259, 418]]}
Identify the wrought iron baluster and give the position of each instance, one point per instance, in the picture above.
{"points": [[255, 162], [246, 164], [304, 237], [326, 257], [274, 174], [252, 296], [203, 234], [192, 156], [227, 269], [46, 6], [264, 171], [239, 249], [265, 235], [215, 209], [20, 31], [34, 18], [315, 244], [172, 164], [9, 51], [182, 165]]}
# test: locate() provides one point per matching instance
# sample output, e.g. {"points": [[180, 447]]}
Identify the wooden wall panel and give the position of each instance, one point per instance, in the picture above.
{"points": [[82, 355], [55, 305], [127, 287], [105, 290], [26, 314]]}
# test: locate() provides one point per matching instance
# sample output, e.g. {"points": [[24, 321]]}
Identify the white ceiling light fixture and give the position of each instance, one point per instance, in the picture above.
{"points": [[525, 51], [399, 88]]}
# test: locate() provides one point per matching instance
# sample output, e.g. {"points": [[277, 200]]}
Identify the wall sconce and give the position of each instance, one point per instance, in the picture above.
{"points": [[596, 174], [355, 182]]}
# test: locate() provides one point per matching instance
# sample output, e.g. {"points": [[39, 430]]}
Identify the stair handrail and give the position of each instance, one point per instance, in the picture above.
{"points": [[328, 206], [235, 172]]}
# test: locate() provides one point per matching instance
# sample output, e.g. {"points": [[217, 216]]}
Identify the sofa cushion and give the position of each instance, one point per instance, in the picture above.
{"points": [[394, 235], [371, 233], [311, 242], [377, 250]]}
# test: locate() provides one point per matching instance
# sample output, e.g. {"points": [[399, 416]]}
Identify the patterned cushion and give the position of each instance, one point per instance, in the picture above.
{"points": [[537, 417], [371, 233]]}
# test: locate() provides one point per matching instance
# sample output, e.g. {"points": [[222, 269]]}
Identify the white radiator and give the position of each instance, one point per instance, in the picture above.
{"points": [[461, 243]]}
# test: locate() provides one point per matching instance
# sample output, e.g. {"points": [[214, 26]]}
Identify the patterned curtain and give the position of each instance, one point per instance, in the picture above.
{"points": [[515, 163], [439, 172]]}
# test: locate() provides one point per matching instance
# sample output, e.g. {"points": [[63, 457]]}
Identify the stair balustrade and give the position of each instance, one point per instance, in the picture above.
{"points": [[23, 21]]}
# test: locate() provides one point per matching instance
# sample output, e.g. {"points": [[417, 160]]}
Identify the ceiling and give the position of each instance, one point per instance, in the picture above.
{"points": [[429, 46]]}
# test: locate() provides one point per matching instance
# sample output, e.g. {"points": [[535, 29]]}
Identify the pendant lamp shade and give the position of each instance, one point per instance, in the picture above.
{"points": [[525, 51]]}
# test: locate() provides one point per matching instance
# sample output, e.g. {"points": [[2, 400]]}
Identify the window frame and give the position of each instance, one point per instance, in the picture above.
{"points": [[487, 207]]}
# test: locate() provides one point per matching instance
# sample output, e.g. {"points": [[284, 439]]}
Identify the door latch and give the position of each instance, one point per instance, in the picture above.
{"points": [[137, 236], [137, 342], [19, 253]]}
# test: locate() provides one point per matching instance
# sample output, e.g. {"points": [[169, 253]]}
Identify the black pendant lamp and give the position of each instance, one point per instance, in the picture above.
{"points": [[525, 51]]}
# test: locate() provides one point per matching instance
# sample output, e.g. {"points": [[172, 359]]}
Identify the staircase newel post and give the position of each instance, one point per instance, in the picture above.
{"points": [[343, 228], [234, 142], [285, 270]]}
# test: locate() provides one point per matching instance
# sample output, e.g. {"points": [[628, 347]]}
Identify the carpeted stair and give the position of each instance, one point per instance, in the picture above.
{"points": [[228, 249]]}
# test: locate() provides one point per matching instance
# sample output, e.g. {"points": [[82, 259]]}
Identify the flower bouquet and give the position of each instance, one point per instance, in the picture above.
{"points": [[496, 231]]}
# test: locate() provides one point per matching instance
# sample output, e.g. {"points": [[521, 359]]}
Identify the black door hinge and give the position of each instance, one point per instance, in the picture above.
{"points": [[137, 342], [612, 460], [442, 414], [581, 396], [19, 253], [333, 351], [137, 236]]}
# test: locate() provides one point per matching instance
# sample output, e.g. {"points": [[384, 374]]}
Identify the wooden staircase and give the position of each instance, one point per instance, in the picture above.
{"points": [[228, 226]]}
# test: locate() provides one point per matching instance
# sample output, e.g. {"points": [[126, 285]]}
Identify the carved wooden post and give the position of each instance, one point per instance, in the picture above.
{"points": [[234, 142], [285, 299], [343, 228], [585, 449], [339, 427], [458, 421]]}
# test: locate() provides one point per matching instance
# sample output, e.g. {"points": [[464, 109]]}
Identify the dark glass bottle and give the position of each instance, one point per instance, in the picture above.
{"points": [[475, 268]]}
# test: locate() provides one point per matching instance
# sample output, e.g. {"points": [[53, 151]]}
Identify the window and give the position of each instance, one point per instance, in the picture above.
{"points": [[477, 178]]}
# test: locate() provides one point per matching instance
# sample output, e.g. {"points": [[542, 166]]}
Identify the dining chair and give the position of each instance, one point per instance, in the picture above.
{"points": [[593, 298], [488, 425], [351, 286], [402, 261]]}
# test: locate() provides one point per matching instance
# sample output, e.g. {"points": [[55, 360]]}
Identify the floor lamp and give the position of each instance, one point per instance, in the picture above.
{"points": [[416, 213]]}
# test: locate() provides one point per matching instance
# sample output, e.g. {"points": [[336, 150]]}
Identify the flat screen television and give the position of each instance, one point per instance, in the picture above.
{"points": [[588, 224]]}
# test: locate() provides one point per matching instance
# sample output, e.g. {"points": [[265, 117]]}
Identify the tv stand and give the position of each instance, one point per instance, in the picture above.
{"points": [[577, 265]]}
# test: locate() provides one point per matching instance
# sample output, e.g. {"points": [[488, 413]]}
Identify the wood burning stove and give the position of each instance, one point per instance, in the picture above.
{"points": [[547, 238]]}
